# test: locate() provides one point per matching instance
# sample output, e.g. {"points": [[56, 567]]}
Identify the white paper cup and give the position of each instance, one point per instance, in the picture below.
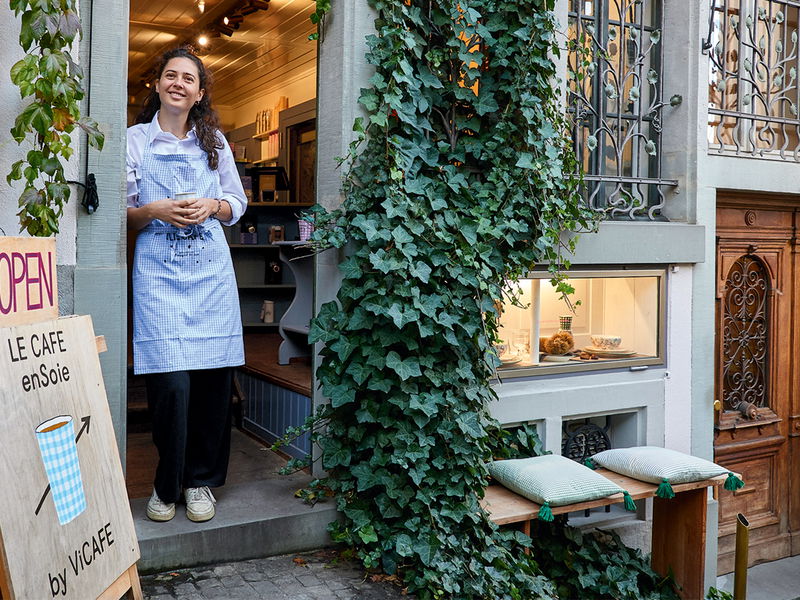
{"points": [[56, 439], [185, 195]]}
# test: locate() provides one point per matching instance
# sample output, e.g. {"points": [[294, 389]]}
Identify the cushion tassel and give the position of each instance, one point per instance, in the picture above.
{"points": [[545, 514], [733, 483], [588, 462], [629, 503], [665, 490]]}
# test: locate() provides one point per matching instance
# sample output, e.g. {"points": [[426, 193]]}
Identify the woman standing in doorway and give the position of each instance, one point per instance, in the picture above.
{"points": [[187, 331]]}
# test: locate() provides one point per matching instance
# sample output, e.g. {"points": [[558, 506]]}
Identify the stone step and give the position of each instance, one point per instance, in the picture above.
{"points": [[254, 520]]}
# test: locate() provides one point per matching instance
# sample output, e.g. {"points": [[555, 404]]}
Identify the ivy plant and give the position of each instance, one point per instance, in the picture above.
{"points": [[461, 180], [51, 81]]}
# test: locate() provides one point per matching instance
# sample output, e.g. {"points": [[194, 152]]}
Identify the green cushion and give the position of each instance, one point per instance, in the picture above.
{"points": [[654, 464], [552, 479]]}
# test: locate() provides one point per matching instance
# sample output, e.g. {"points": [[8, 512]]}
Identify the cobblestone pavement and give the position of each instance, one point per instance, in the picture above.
{"points": [[313, 576]]}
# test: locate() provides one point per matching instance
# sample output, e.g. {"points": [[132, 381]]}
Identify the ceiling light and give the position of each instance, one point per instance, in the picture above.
{"points": [[226, 20], [201, 5], [202, 40]]}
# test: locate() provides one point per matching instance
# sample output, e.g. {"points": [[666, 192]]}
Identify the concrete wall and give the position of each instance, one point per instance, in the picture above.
{"points": [[100, 273]]}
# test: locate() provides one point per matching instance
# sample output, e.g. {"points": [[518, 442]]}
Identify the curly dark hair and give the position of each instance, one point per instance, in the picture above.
{"points": [[204, 118]]}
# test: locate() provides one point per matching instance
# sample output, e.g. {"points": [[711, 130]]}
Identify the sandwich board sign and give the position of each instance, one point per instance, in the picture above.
{"points": [[66, 528]]}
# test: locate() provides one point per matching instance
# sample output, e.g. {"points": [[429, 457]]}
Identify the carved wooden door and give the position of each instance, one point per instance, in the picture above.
{"points": [[756, 342]]}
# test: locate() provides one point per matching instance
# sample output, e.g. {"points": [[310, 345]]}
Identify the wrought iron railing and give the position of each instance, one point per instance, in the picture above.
{"points": [[615, 98], [753, 93]]}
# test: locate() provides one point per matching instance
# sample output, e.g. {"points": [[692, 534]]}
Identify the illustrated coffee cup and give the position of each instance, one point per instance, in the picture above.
{"points": [[56, 439]]}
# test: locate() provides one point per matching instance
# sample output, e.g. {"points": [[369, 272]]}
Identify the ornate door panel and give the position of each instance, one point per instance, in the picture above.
{"points": [[754, 370]]}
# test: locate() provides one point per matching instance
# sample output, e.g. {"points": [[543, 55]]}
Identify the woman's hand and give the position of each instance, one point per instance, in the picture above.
{"points": [[175, 212], [202, 208]]}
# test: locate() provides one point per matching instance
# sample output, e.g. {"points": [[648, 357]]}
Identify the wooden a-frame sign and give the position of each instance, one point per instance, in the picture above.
{"points": [[66, 529]]}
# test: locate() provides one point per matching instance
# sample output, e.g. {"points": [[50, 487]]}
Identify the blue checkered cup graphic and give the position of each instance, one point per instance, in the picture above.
{"points": [[56, 439]]}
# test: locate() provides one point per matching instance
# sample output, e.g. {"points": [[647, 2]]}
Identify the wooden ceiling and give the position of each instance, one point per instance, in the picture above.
{"points": [[269, 44]]}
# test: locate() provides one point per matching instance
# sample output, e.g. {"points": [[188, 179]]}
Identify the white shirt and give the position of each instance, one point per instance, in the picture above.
{"points": [[163, 142]]}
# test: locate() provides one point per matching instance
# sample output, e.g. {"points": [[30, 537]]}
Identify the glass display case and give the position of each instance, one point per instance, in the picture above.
{"points": [[614, 318]]}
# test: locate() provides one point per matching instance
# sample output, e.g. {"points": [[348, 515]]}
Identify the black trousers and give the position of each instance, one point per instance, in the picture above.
{"points": [[190, 413]]}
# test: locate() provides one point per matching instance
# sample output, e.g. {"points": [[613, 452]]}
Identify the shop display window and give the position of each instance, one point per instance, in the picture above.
{"points": [[616, 319]]}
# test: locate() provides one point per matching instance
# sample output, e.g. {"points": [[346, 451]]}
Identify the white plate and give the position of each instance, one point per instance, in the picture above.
{"points": [[556, 357], [613, 353], [510, 359]]}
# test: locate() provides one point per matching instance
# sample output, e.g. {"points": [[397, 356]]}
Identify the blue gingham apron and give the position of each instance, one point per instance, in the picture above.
{"points": [[185, 301]]}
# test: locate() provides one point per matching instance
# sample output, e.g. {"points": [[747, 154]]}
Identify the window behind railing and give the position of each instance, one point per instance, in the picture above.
{"points": [[753, 92], [615, 99]]}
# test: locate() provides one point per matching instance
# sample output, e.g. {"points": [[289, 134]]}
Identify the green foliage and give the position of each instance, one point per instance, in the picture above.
{"points": [[321, 8], [715, 594], [596, 565], [461, 179], [51, 80]]}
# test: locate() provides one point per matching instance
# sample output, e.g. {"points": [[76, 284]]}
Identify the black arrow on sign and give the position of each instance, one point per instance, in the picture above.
{"points": [[85, 427]]}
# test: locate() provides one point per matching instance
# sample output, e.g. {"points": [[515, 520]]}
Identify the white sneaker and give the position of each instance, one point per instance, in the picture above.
{"points": [[199, 504], [158, 510]]}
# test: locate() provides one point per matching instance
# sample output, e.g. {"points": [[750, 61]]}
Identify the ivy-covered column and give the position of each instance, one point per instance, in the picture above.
{"points": [[342, 70], [462, 179]]}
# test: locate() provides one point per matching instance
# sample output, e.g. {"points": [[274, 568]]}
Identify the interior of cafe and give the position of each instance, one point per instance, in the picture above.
{"points": [[264, 72]]}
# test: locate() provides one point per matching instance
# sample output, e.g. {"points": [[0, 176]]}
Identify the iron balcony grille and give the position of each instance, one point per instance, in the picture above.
{"points": [[753, 95], [615, 91]]}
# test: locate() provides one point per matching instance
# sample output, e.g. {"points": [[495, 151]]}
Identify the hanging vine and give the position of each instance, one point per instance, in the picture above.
{"points": [[51, 80], [461, 179]]}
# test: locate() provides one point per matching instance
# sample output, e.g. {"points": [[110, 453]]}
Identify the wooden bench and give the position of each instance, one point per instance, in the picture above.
{"points": [[679, 524]]}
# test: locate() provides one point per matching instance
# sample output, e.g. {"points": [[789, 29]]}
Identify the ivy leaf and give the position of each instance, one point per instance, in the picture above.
{"points": [[404, 368], [470, 424], [367, 534], [340, 394], [69, 25], [485, 103], [402, 545], [16, 172], [525, 160], [93, 133], [421, 271], [399, 316], [426, 548], [401, 236]]}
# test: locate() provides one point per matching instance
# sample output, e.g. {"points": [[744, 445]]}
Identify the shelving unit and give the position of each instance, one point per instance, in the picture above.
{"points": [[265, 135], [294, 160], [295, 321]]}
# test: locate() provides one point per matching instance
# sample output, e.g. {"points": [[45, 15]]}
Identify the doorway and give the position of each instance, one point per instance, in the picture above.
{"points": [[756, 389], [264, 90]]}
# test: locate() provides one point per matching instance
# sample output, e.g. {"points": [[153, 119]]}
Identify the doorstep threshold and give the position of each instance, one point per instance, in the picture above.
{"points": [[254, 519]]}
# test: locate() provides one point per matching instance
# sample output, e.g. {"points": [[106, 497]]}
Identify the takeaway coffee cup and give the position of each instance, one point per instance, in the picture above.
{"points": [[56, 439], [185, 195]]}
